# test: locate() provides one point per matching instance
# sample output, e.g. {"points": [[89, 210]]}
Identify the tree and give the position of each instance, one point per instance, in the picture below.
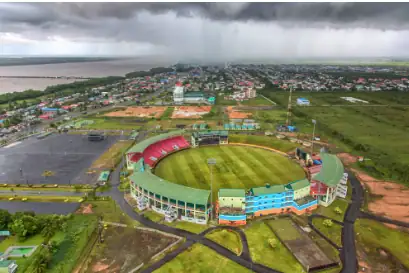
{"points": [[5, 219], [24, 104]]}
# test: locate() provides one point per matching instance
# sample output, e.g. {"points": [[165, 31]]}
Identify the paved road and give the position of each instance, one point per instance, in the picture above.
{"points": [[43, 193], [348, 252]]}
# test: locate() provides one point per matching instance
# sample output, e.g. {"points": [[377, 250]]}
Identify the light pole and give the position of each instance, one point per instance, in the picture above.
{"points": [[211, 162], [313, 136]]}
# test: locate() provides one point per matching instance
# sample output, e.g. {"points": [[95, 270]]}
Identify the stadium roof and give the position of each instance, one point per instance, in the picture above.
{"points": [[141, 146], [232, 193], [332, 170], [299, 184], [152, 183], [268, 190]]}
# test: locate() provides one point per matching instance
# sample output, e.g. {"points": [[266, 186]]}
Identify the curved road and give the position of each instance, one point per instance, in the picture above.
{"points": [[348, 251]]}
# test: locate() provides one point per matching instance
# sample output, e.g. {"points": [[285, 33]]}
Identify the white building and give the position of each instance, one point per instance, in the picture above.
{"points": [[303, 101], [178, 94]]}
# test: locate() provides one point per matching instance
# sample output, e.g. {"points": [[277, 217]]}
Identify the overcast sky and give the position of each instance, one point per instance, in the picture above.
{"points": [[211, 31]]}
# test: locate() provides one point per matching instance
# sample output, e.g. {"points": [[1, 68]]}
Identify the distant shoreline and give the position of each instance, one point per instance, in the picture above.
{"points": [[14, 61]]}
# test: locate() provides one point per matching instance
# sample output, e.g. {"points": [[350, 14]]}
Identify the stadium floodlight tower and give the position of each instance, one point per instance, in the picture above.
{"points": [[211, 162]]}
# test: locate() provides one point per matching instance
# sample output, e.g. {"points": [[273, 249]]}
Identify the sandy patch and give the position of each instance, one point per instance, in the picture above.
{"points": [[192, 112], [85, 209], [98, 267], [235, 114], [393, 198], [347, 159], [139, 111]]}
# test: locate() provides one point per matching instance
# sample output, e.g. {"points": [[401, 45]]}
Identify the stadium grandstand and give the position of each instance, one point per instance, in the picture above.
{"points": [[209, 138], [233, 206]]}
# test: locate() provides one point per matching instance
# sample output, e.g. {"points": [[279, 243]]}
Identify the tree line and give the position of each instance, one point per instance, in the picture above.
{"points": [[150, 72]]}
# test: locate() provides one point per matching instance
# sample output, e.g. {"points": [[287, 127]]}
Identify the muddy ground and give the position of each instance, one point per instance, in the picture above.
{"points": [[124, 249]]}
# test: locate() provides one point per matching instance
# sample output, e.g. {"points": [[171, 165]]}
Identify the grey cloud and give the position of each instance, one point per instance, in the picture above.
{"points": [[368, 15]]}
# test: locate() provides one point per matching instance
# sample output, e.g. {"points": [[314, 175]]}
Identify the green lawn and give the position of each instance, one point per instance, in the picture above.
{"points": [[279, 258], [192, 227], [237, 167], [111, 212], [284, 229], [37, 198], [12, 241], [330, 210], [376, 132], [153, 216], [227, 238], [112, 124], [200, 259], [374, 235], [333, 233], [268, 141]]}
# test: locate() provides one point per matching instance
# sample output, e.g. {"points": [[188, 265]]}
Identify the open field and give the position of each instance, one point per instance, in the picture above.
{"points": [[377, 131], [257, 101], [124, 249], [112, 124], [190, 112], [381, 249], [111, 157], [279, 258], [139, 111], [200, 259], [284, 229], [153, 216], [109, 210], [227, 238], [237, 167]]}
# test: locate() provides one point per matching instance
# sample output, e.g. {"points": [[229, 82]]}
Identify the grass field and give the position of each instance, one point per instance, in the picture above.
{"points": [[200, 259], [227, 238], [237, 167], [111, 157], [284, 229], [111, 212], [333, 233], [279, 258], [330, 210], [376, 132], [112, 124], [374, 236]]}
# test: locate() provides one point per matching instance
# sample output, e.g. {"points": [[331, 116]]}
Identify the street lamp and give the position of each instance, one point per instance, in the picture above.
{"points": [[313, 136], [211, 162]]}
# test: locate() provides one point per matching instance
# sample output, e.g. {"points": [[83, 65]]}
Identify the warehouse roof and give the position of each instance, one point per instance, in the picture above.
{"points": [[299, 184], [141, 146], [332, 170], [268, 190], [232, 193], [152, 183]]}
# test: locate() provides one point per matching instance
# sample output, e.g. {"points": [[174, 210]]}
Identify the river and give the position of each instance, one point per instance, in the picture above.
{"points": [[84, 69]]}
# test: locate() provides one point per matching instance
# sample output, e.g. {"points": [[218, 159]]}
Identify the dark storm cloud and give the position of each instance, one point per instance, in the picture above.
{"points": [[367, 15]]}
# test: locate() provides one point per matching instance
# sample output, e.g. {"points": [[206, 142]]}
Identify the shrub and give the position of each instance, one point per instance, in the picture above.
{"points": [[43, 185], [18, 185], [337, 210], [273, 243], [328, 223]]}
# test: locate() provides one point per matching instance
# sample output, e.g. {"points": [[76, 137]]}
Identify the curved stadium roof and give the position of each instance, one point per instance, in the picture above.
{"points": [[332, 170], [141, 146], [150, 182]]}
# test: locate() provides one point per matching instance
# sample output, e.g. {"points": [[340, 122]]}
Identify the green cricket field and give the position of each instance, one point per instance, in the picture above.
{"points": [[236, 167]]}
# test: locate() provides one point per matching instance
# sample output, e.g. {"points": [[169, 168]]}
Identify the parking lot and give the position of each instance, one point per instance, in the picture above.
{"points": [[65, 158]]}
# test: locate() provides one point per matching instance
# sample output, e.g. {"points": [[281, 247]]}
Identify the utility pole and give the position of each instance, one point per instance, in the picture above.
{"points": [[313, 137], [289, 108], [211, 162]]}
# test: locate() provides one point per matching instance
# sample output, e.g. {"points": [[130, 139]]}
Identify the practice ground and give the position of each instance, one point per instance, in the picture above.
{"points": [[139, 111], [237, 167], [66, 156]]}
